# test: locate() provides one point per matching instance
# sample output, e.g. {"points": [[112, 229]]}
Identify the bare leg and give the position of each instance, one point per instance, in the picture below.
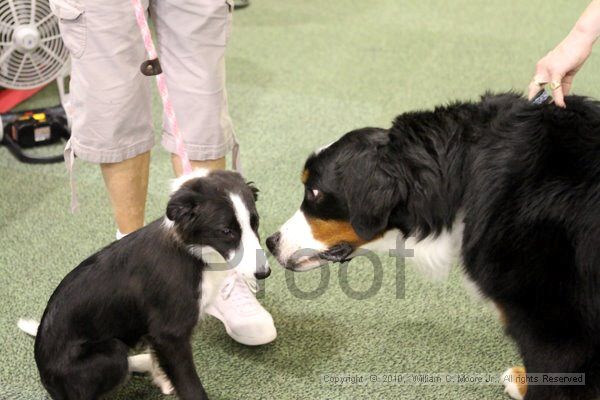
{"points": [[219, 163], [127, 185]]}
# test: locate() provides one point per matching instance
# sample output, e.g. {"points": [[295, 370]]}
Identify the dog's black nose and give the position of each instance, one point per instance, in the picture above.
{"points": [[263, 274], [273, 242]]}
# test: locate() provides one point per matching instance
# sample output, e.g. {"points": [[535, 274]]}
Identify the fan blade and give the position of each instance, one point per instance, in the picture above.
{"points": [[21, 65], [51, 53], [5, 56], [33, 6], [49, 38], [13, 11], [43, 20], [7, 28], [37, 69]]}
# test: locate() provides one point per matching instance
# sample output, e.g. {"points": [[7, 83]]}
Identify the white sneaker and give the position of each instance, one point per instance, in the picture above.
{"points": [[245, 319]]}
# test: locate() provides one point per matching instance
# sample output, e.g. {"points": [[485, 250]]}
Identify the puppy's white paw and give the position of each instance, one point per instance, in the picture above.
{"points": [[515, 382], [147, 363], [160, 379]]}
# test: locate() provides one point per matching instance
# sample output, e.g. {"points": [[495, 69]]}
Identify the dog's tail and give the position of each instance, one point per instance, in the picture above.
{"points": [[28, 326]]}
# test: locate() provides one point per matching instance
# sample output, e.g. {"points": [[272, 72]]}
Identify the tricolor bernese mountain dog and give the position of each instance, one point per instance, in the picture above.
{"points": [[511, 188], [149, 288]]}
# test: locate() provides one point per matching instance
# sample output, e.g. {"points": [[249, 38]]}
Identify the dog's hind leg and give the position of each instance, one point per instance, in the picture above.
{"points": [[141, 363], [95, 370], [549, 361]]}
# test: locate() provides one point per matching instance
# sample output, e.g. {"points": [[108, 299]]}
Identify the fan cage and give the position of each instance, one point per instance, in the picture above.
{"points": [[28, 69]]}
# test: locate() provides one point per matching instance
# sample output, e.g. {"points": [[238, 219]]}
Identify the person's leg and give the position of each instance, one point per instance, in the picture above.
{"points": [[219, 163], [127, 186], [192, 38], [110, 100]]}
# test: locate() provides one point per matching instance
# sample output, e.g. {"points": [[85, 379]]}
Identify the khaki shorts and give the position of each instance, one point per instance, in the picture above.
{"points": [[110, 100]]}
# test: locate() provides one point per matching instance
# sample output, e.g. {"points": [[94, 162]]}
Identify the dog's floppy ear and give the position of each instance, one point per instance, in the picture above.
{"points": [[177, 210], [185, 199], [371, 194], [181, 205]]}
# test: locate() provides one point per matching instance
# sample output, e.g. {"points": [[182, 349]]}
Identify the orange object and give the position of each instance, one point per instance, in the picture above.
{"points": [[9, 98]]}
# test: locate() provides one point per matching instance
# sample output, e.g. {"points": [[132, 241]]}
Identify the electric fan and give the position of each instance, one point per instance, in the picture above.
{"points": [[32, 54]]}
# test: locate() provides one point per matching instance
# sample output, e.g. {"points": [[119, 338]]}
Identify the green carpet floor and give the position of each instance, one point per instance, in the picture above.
{"points": [[300, 74]]}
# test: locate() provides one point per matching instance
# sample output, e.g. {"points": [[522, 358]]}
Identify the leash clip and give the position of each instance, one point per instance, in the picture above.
{"points": [[151, 67], [541, 97]]}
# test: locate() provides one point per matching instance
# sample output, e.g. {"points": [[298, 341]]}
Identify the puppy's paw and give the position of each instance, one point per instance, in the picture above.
{"points": [[160, 379], [515, 382]]}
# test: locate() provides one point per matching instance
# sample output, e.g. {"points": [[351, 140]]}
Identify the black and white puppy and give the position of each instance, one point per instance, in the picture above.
{"points": [[511, 188], [148, 288]]}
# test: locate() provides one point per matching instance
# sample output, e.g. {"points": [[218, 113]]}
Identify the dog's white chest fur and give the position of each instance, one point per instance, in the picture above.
{"points": [[433, 255]]}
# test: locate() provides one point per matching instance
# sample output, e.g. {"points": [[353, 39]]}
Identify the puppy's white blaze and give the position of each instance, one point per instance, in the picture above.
{"points": [[249, 257], [297, 235], [197, 173]]}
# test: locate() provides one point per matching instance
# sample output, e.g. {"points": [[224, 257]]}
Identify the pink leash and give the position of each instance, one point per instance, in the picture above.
{"points": [[152, 67]]}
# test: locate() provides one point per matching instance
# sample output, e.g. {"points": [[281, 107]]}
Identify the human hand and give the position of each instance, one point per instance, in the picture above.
{"points": [[560, 65]]}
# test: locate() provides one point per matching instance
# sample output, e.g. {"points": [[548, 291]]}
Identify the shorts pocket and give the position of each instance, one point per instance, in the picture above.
{"points": [[73, 30]]}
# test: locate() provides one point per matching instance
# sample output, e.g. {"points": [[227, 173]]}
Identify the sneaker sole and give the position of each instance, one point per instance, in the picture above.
{"points": [[246, 340]]}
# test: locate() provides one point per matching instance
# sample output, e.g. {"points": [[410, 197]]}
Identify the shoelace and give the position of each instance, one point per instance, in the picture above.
{"points": [[244, 295]]}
